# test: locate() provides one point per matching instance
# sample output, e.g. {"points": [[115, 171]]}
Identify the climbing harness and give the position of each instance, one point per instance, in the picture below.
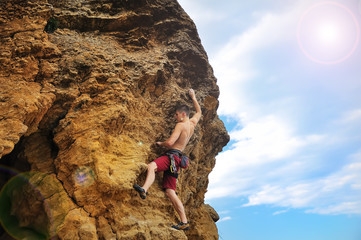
{"points": [[172, 171]]}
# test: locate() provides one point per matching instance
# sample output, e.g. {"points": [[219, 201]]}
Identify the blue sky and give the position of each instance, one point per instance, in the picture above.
{"points": [[290, 80]]}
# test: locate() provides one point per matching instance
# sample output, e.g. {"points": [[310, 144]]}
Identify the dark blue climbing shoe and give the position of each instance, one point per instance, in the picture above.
{"points": [[140, 190], [181, 226]]}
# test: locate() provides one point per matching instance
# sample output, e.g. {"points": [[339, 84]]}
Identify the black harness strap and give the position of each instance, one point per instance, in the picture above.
{"points": [[172, 171]]}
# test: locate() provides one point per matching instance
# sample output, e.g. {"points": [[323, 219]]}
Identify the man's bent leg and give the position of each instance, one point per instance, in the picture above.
{"points": [[177, 203], [152, 168]]}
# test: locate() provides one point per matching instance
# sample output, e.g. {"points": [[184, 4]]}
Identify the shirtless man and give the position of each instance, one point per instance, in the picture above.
{"points": [[182, 132]]}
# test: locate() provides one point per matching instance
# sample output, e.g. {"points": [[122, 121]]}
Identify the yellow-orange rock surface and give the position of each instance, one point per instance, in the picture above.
{"points": [[82, 107]]}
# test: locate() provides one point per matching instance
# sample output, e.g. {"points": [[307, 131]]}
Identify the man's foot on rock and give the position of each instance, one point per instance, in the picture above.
{"points": [[181, 226], [140, 190]]}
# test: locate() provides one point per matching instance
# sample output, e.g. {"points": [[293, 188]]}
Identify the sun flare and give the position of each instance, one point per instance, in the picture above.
{"points": [[328, 33]]}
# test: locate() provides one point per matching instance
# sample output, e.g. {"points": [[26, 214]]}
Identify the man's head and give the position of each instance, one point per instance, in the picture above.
{"points": [[182, 111], [183, 108]]}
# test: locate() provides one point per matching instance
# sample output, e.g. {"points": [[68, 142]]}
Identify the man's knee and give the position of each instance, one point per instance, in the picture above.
{"points": [[167, 192], [170, 192]]}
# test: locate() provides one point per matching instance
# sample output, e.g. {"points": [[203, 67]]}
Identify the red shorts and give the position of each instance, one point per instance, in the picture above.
{"points": [[163, 164]]}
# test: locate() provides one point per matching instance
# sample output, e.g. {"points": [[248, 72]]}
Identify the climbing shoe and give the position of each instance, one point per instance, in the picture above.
{"points": [[181, 226], [140, 190]]}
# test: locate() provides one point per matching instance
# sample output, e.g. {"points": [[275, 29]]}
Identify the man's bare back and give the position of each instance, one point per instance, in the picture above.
{"points": [[184, 129], [187, 130]]}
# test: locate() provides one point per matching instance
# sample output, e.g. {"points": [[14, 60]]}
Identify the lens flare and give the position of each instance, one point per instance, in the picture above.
{"points": [[24, 212], [328, 33], [84, 176], [5, 171]]}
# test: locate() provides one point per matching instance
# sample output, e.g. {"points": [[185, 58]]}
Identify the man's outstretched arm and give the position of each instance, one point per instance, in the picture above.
{"points": [[198, 114], [172, 139]]}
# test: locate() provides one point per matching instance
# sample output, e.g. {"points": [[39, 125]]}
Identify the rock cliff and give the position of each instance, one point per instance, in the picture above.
{"points": [[87, 88]]}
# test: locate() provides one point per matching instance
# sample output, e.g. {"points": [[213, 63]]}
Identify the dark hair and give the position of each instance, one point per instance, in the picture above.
{"points": [[183, 108]]}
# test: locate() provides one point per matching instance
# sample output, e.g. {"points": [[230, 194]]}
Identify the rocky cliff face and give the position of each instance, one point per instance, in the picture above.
{"points": [[81, 106]]}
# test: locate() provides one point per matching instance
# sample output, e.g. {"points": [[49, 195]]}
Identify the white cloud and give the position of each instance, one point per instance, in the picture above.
{"points": [[280, 212], [276, 168], [347, 127], [341, 208], [233, 63], [223, 212], [337, 193], [224, 219], [199, 13], [350, 117], [266, 139], [260, 144]]}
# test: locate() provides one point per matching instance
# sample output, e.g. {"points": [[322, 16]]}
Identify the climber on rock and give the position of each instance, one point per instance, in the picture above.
{"points": [[173, 159]]}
